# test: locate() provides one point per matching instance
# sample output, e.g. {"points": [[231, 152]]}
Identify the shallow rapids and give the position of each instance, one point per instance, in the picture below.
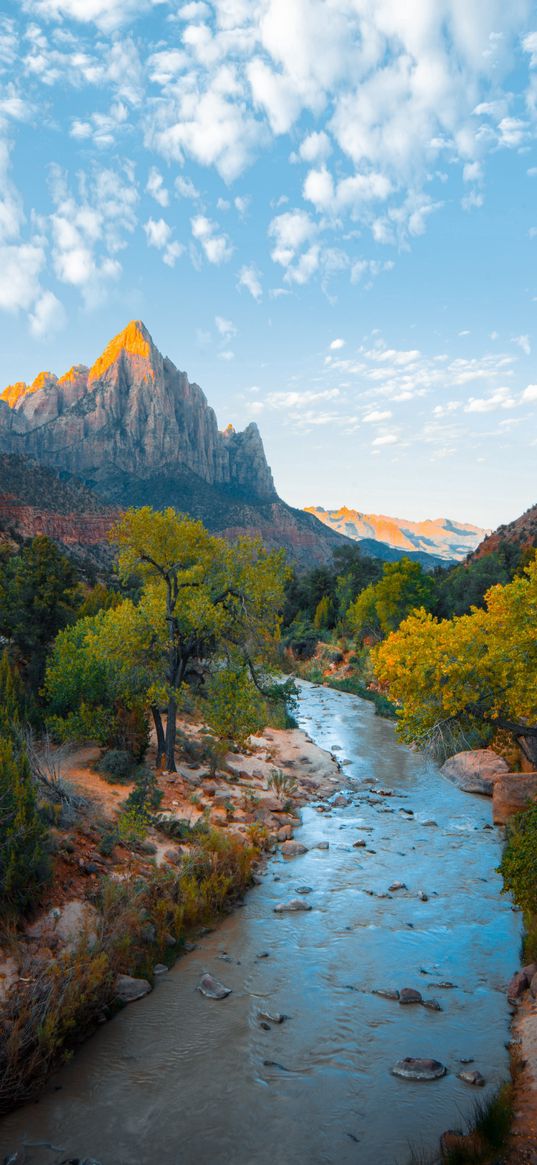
{"points": [[179, 1079]]}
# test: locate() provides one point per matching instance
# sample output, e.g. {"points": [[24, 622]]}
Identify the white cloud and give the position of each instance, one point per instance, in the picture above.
{"points": [[337, 344], [529, 396], [377, 416], [20, 267], [159, 235], [225, 327], [387, 439], [250, 280], [186, 189], [226, 355], [217, 247], [500, 399], [523, 343], [316, 147], [108, 15], [48, 315], [156, 188]]}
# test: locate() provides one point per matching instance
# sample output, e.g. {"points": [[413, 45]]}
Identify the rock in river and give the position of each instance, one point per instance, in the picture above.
{"points": [[409, 995], [397, 886], [294, 904], [292, 849], [212, 988], [472, 1077], [416, 1069]]}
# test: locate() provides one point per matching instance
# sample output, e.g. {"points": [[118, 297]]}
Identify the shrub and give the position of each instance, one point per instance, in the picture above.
{"points": [[281, 784], [24, 861], [117, 765], [519, 860], [235, 708]]}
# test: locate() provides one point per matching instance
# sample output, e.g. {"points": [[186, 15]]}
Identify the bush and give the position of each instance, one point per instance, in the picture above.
{"points": [[117, 765], [24, 860], [519, 860]]}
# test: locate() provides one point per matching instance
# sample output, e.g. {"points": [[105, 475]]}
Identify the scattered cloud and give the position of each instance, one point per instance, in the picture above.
{"points": [[217, 247], [249, 278], [156, 188], [159, 234]]}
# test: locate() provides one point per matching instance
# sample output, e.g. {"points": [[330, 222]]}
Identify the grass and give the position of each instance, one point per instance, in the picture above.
{"points": [[352, 684], [487, 1131]]}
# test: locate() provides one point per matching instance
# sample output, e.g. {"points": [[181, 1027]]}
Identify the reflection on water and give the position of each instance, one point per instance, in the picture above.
{"points": [[177, 1079]]}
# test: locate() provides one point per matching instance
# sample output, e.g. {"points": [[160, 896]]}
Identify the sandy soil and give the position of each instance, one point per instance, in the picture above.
{"points": [[523, 1144]]}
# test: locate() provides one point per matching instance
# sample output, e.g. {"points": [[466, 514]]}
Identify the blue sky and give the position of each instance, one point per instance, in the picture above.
{"points": [[323, 210]]}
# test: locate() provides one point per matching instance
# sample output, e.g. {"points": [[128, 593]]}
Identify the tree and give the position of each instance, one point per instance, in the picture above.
{"points": [[37, 598], [235, 708], [476, 671], [13, 703], [202, 602], [382, 606], [24, 864], [323, 617]]}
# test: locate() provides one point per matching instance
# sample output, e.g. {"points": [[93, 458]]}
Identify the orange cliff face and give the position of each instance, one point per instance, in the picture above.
{"points": [[16, 392], [135, 341]]}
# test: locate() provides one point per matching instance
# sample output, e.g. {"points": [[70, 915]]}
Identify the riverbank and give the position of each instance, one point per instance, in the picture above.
{"points": [[121, 908]]}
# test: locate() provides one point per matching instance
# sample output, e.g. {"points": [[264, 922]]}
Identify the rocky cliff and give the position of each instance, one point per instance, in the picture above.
{"points": [[136, 431], [133, 412]]}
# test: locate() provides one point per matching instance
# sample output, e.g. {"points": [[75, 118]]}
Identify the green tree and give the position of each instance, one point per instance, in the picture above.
{"points": [[382, 606], [235, 708], [24, 864], [13, 701], [324, 614], [37, 598]]}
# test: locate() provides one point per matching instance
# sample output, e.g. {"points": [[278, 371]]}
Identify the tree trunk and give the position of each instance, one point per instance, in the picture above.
{"points": [[171, 732], [528, 745], [161, 739]]}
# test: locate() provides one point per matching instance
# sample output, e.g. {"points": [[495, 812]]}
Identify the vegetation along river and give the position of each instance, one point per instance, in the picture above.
{"points": [[178, 1079]]}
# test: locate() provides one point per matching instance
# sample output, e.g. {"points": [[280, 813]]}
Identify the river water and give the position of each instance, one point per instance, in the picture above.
{"points": [[177, 1079]]}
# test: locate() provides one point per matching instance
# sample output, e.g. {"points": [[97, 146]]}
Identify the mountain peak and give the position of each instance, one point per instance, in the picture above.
{"points": [[134, 341]]}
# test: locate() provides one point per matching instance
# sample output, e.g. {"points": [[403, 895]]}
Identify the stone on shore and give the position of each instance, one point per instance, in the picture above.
{"points": [[517, 985], [212, 988], [512, 792], [412, 1068], [476, 771], [128, 990]]}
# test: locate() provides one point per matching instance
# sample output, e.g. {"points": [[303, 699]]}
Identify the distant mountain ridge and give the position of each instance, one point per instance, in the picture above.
{"points": [[443, 538], [135, 430]]}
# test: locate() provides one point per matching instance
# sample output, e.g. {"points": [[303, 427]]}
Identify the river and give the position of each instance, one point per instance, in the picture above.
{"points": [[177, 1079]]}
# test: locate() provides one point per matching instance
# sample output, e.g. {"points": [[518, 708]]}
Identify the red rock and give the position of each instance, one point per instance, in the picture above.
{"points": [[476, 771], [517, 985], [513, 792]]}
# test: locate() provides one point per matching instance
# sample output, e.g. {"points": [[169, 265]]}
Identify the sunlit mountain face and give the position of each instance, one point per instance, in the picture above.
{"points": [[440, 536]]}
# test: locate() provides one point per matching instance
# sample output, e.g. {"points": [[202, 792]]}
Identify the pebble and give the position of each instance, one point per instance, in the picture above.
{"points": [[397, 886], [417, 1069], [294, 905], [473, 1077], [212, 988], [410, 995]]}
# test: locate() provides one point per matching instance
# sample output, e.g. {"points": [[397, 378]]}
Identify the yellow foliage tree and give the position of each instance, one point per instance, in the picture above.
{"points": [[474, 671]]}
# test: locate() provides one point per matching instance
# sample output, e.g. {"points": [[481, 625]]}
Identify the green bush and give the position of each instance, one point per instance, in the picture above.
{"points": [[117, 765], [519, 861], [24, 856]]}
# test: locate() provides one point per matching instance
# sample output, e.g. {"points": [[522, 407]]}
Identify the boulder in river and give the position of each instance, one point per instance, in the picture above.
{"points": [[322, 845], [360, 844], [128, 989], [432, 1004], [386, 992], [294, 904], [271, 1017], [475, 771], [472, 1076], [412, 1068], [397, 886], [292, 849], [212, 988], [410, 995]]}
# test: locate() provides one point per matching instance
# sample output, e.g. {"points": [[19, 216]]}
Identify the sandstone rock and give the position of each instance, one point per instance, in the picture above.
{"points": [[322, 845], [360, 844], [517, 985], [128, 989], [513, 792], [533, 986], [409, 995], [431, 1004], [285, 833], [386, 992], [294, 904], [412, 1068], [293, 849], [472, 1077], [475, 771], [271, 1017], [397, 886], [212, 988]]}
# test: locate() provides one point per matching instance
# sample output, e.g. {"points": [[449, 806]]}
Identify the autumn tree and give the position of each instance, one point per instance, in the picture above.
{"points": [[203, 604], [477, 672]]}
